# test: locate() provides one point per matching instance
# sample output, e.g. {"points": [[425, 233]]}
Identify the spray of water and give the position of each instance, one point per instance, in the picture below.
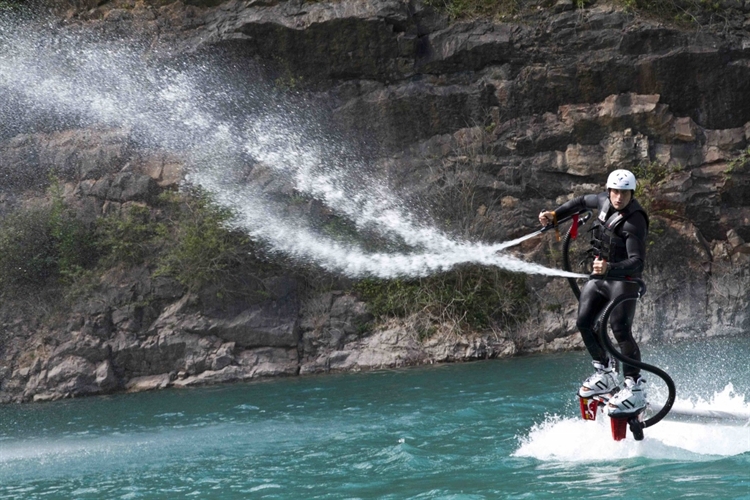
{"points": [[219, 130], [569, 439]]}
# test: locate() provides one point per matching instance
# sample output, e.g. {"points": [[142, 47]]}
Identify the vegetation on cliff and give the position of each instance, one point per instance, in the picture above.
{"points": [[469, 297], [185, 235], [43, 245], [686, 13], [10, 4]]}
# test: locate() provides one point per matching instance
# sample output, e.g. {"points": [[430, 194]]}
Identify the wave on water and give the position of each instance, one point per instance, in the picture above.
{"points": [[34, 458], [575, 440], [727, 400], [45, 458]]}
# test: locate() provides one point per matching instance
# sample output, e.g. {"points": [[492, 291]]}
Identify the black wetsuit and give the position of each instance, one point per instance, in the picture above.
{"points": [[620, 239]]}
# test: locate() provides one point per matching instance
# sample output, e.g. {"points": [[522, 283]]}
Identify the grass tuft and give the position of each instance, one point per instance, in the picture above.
{"points": [[469, 297]]}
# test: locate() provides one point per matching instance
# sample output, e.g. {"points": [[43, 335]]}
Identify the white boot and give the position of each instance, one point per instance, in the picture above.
{"points": [[630, 400], [603, 381]]}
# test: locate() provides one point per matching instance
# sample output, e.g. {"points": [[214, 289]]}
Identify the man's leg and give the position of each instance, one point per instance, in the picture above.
{"points": [[603, 380], [590, 305], [621, 322], [631, 399]]}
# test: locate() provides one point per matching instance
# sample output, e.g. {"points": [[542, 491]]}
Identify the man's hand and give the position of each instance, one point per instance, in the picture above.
{"points": [[600, 267], [546, 218]]}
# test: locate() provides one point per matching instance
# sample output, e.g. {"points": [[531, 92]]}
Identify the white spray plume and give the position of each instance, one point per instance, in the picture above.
{"points": [[96, 82]]}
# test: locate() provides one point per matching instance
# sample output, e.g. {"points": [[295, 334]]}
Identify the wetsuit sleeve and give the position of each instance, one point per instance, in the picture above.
{"points": [[587, 201], [634, 232]]}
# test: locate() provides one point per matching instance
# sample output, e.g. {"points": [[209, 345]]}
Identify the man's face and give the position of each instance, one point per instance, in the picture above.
{"points": [[619, 198]]}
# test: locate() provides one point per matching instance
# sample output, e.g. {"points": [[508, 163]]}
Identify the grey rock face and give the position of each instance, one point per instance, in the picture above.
{"points": [[489, 121]]}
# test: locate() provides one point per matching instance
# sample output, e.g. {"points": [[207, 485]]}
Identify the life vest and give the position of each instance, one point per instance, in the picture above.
{"points": [[606, 242]]}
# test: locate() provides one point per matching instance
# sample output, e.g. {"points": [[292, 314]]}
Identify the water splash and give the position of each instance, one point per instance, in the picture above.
{"points": [[570, 439], [85, 81], [723, 406]]}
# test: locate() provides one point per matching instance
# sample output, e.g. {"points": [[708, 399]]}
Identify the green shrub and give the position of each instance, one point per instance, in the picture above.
{"points": [[27, 250], [738, 163], [685, 12], [649, 176], [44, 245], [10, 4], [469, 296], [187, 237], [200, 248], [128, 236], [73, 241], [460, 9]]}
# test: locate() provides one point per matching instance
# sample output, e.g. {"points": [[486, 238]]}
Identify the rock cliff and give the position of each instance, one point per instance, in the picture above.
{"points": [[484, 120]]}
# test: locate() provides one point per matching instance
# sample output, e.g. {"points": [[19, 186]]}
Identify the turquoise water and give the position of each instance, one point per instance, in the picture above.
{"points": [[494, 429]]}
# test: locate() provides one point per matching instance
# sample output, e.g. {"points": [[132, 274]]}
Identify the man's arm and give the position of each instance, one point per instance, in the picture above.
{"points": [[578, 204]]}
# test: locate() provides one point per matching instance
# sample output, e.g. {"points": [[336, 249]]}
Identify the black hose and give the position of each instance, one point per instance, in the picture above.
{"points": [[604, 337], [566, 251]]}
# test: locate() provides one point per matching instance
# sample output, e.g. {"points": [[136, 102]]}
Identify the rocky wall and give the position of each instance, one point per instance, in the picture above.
{"points": [[520, 115]]}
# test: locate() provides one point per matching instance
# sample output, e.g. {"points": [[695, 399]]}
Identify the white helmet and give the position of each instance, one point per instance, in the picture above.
{"points": [[621, 179]]}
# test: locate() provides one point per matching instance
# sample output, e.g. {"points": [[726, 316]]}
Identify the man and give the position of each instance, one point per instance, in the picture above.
{"points": [[619, 241]]}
